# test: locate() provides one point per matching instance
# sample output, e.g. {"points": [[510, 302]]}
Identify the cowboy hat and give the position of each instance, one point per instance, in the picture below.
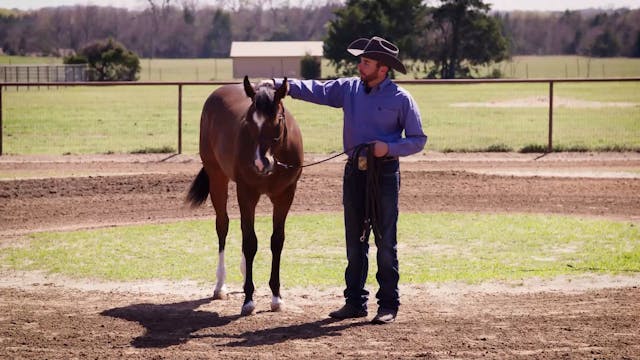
{"points": [[378, 49]]}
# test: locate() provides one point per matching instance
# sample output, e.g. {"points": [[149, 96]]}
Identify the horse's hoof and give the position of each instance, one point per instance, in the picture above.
{"points": [[220, 295], [277, 305], [248, 308]]}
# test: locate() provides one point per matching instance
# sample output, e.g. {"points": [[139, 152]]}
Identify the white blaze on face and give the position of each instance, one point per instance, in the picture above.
{"points": [[258, 119], [257, 159]]}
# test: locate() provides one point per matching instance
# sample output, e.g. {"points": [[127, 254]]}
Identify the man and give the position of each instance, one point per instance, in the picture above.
{"points": [[376, 112]]}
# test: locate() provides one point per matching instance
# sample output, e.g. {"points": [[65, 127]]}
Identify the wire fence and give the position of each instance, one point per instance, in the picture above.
{"points": [[458, 115], [39, 74]]}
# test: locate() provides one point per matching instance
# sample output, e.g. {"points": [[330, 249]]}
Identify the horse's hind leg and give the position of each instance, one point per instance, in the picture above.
{"points": [[281, 206], [218, 186]]}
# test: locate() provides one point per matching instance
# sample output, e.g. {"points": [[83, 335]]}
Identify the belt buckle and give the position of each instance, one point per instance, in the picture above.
{"points": [[362, 163]]}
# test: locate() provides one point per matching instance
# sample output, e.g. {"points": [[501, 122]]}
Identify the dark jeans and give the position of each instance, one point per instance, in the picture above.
{"points": [[353, 199]]}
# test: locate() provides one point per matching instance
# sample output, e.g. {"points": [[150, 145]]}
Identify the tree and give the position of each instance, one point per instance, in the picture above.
{"points": [[462, 33], [399, 21], [159, 13], [605, 45], [217, 43], [108, 60], [635, 51]]}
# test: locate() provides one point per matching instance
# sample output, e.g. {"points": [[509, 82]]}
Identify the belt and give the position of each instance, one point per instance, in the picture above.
{"points": [[386, 158], [361, 163]]}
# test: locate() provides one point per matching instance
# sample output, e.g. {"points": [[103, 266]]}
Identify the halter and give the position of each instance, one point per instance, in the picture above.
{"points": [[282, 120]]}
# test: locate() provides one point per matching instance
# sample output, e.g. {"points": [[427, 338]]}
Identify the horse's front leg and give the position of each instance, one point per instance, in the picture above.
{"points": [[281, 206], [247, 200]]}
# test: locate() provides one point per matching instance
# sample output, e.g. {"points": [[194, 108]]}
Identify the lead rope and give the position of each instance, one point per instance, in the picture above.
{"points": [[372, 191], [372, 194], [287, 166]]}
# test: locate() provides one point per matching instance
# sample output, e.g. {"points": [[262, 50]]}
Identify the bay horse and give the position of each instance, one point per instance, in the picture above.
{"points": [[247, 136]]}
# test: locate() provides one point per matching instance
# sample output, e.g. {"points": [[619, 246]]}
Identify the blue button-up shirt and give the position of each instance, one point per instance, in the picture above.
{"points": [[382, 114]]}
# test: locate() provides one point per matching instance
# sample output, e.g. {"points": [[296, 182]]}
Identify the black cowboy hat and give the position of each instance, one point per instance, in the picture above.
{"points": [[378, 49]]}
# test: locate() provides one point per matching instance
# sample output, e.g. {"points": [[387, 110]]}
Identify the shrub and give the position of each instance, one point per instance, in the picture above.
{"points": [[310, 67], [108, 60]]}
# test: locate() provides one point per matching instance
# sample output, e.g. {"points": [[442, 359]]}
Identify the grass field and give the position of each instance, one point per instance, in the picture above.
{"points": [[439, 247], [471, 117], [519, 67], [85, 120]]}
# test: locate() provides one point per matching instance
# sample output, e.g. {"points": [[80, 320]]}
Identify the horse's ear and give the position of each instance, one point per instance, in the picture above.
{"points": [[248, 88], [283, 90]]}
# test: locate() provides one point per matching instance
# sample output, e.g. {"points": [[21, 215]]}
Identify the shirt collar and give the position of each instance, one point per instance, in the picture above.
{"points": [[384, 83]]}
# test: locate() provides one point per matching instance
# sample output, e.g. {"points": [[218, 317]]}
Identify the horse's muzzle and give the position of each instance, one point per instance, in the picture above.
{"points": [[263, 163]]}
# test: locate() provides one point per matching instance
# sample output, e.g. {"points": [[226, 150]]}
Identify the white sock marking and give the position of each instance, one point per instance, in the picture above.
{"points": [[221, 273], [243, 268]]}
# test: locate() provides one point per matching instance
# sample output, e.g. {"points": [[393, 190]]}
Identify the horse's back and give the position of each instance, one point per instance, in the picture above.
{"points": [[220, 121]]}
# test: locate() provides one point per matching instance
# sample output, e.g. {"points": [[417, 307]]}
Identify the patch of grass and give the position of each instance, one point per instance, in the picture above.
{"points": [[499, 148], [155, 150], [533, 148], [570, 148], [432, 248], [539, 148], [618, 148]]}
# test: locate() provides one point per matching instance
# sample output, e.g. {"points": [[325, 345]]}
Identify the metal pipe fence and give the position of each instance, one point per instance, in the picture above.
{"points": [[426, 103]]}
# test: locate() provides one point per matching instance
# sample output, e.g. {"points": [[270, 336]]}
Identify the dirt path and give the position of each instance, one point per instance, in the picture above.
{"points": [[49, 317], [69, 193]]}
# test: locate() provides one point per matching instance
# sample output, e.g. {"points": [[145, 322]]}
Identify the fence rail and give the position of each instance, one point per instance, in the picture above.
{"points": [[4, 86]]}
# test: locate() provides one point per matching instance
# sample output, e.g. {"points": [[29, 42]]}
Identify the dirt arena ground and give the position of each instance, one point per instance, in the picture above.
{"points": [[47, 316]]}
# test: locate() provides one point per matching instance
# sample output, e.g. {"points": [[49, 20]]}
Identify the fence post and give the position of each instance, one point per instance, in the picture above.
{"points": [[550, 143], [1, 90], [180, 119]]}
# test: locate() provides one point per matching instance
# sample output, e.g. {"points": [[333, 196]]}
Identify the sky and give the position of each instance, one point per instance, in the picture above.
{"points": [[506, 5]]}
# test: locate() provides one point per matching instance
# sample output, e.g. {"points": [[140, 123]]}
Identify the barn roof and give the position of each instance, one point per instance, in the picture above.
{"points": [[275, 48]]}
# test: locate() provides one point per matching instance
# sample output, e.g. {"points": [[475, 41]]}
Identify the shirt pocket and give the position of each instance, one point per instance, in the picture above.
{"points": [[386, 119]]}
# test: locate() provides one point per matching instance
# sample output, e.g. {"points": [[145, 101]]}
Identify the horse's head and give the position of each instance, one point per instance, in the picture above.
{"points": [[266, 122]]}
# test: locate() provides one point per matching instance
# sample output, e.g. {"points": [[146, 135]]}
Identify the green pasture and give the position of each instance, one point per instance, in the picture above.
{"points": [[518, 67], [186, 69], [436, 248], [563, 66], [462, 117]]}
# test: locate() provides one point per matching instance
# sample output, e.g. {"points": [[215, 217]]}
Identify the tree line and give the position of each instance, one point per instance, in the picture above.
{"points": [[597, 33], [162, 31]]}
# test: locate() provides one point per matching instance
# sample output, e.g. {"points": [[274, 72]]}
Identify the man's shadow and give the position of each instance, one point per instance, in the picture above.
{"points": [[280, 334], [175, 323]]}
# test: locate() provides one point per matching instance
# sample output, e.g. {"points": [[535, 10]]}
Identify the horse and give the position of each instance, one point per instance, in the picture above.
{"points": [[247, 136]]}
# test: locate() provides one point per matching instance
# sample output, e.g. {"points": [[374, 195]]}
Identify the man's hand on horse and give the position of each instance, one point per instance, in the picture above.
{"points": [[380, 148]]}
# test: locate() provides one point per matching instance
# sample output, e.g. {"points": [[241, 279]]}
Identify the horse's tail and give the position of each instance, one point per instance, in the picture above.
{"points": [[199, 189]]}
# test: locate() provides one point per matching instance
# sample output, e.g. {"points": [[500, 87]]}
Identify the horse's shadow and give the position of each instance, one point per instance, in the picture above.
{"points": [[176, 323], [168, 324]]}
